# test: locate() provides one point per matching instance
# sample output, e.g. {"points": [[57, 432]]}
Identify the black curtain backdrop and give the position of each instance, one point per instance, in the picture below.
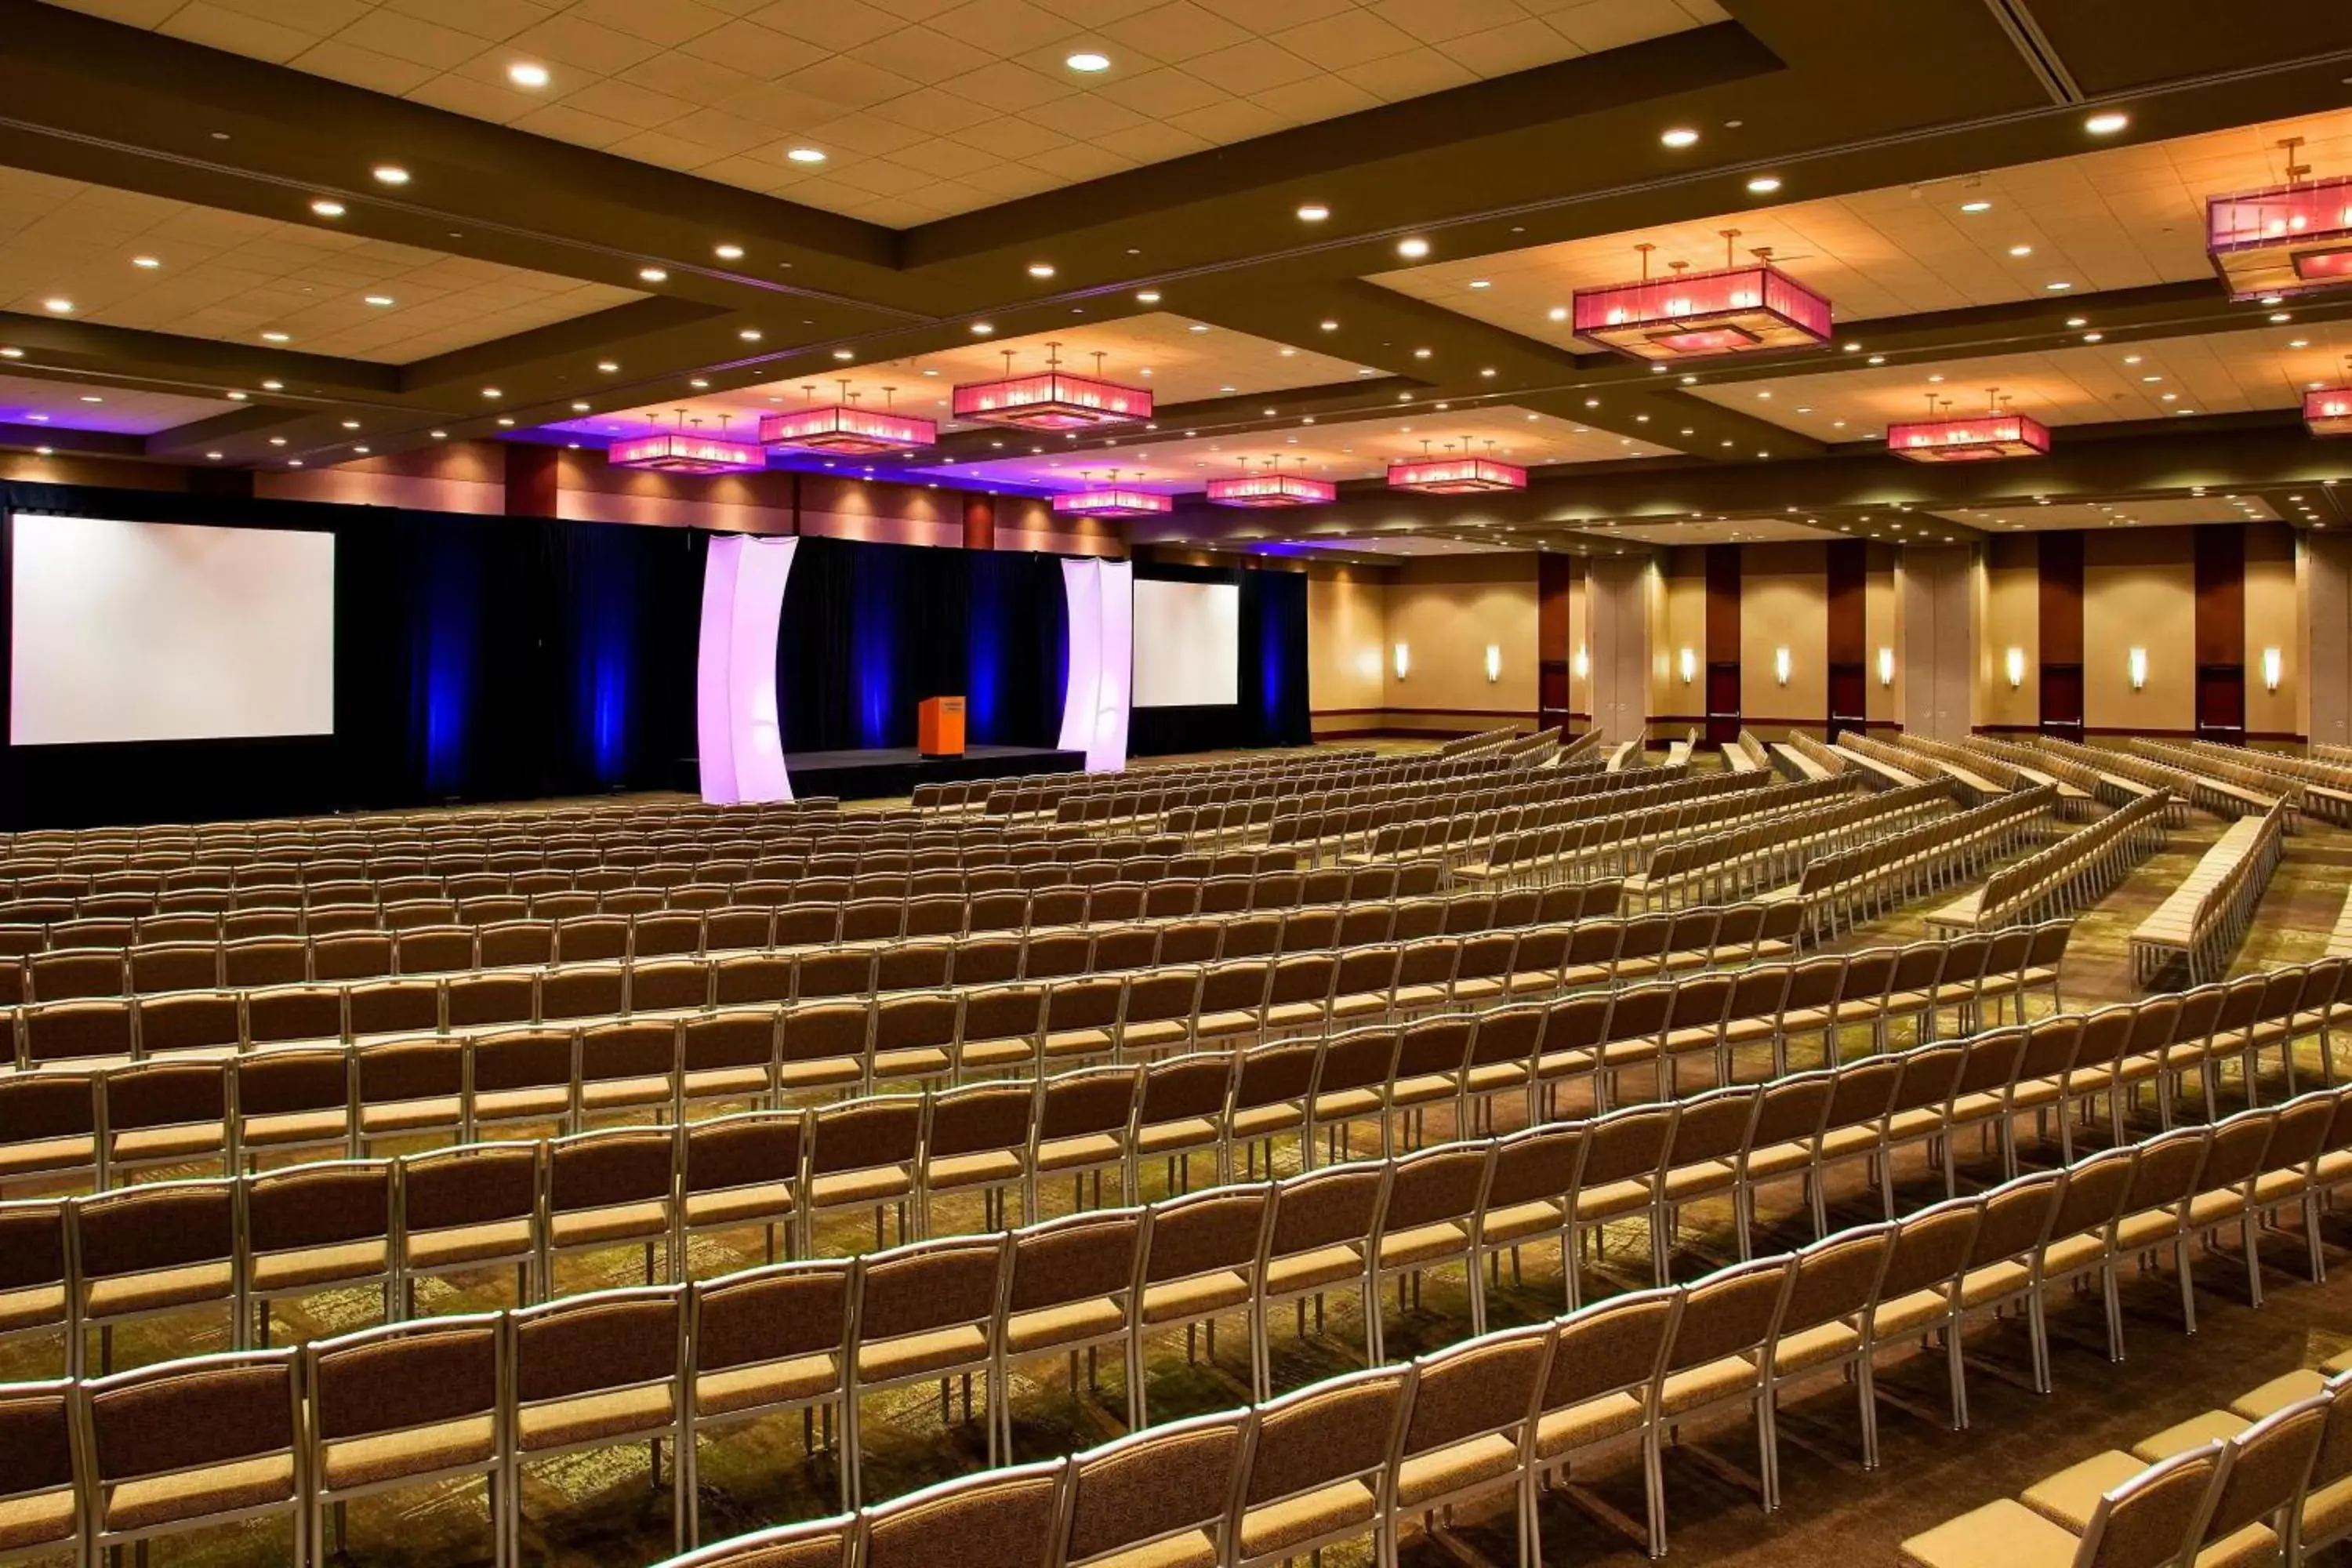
{"points": [[871, 630], [1270, 709], [477, 659]]}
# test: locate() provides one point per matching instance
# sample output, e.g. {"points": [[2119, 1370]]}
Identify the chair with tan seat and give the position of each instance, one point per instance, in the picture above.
{"points": [[822, 1050], [2149, 1522], [727, 1059], [520, 1078], [921, 1313], [472, 1208], [148, 1251], [166, 1115], [1428, 1220], [741, 1172], [188, 1445], [1318, 1240], [1071, 1286], [1002, 1519], [1202, 1260], [408, 1089], [40, 1512], [2266, 1468], [37, 1291], [1613, 1182], [1085, 1126], [400, 1407], [1825, 1323], [615, 1187], [1600, 1393], [861, 1155], [598, 1372], [309, 1229], [1470, 1428], [1160, 1496], [294, 1103], [1920, 1292], [976, 1138], [1716, 1359], [629, 1069], [52, 1124], [1315, 1468], [768, 1342]]}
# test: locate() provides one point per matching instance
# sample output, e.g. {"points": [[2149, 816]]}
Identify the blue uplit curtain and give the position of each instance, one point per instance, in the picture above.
{"points": [[444, 629], [604, 610]]}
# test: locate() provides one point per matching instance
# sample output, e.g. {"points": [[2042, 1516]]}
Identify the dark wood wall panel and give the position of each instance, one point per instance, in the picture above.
{"points": [[1556, 578], [979, 523], [1723, 604], [2221, 594], [1849, 576], [2062, 596]]}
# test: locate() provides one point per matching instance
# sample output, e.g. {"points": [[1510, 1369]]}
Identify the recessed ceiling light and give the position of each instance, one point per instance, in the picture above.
{"points": [[2058, 288], [2281, 316], [1412, 249], [2298, 343], [608, 366], [749, 334], [653, 274], [235, 396], [524, 73], [351, 423], [1480, 283], [492, 391], [326, 208], [698, 384], [147, 263], [1197, 327], [1313, 212], [806, 155], [12, 353], [981, 329], [273, 386], [1420, 353], [579, 408], [2020, 250], [507, 422], [1979, 206], [2106, 123], [1089, 60], [379, 300], [1763, 185], [275, 338], [2131, 359], [59, 307], [1680, 136], [1878, 359], [92, 398], [728, 252], [2095, 337], [390, 174], [845, 355], [213, 456]]}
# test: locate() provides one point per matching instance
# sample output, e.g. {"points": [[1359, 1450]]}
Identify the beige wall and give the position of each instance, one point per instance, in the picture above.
{"points": [[1447, 611], [2011, 594], [1784, 602], [1580, 642], [2139, 590], [1882, 629], [2271, 609], [1347, 646], [1678, 621]]}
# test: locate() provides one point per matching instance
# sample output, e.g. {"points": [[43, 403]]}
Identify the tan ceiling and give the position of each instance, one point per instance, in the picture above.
{"points": [[1404, 544], [2225, 373], [925, 107], [1715, 531], [1161, 351], [75, 405], [1357, 450], [2153, 511], [233, 276], [2119, 217]]}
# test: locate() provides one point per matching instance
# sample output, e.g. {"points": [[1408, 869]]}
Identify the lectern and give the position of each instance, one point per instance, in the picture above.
{"points": [[940, 727]]}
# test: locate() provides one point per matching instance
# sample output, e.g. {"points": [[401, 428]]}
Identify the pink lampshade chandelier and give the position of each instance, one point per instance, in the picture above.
{"points": [[2289, 239], [1271, 489], [1455, 475], [682, 451], [1741, 308], [841, 428], [1051, 399], [1111, 499], [1999, 432]]}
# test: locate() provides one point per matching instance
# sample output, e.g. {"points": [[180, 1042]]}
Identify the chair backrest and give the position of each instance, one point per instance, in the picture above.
{"points": [[1489, 1385], [782, 1313], [1162, 1485], [1611, 1347], [946, 1283], [1335, 1431], [2156, 1517], [1000, 1519], [1837, 1277], [1730, 1310], [2270, 1463], [398, 1377], [184, 1416], [610, 1340]]}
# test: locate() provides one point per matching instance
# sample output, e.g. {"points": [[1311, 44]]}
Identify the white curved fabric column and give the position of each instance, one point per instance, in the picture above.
{"points": [[737, 719], [1101, 597]]}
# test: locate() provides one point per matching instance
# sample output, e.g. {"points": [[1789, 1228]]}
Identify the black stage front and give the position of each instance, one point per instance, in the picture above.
{"points": [[863, 775]]}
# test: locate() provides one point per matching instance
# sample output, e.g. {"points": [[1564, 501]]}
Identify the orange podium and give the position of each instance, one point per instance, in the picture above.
{"points": [[939, 729]]}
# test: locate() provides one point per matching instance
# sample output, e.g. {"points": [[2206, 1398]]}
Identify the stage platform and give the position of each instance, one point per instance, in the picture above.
{"points": [[863, 775]]}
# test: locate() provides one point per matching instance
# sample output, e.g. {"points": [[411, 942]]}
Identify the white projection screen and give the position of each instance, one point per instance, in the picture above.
{"points": [[1188, 639], [144, 631]]}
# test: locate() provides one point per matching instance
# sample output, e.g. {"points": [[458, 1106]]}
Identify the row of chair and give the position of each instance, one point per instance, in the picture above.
{"points": [[1335, 825], [258, 1433], [1738, 862], [1842, 889], [1366, 902], [2202, 922], [1041, 795], [2078, 870], [2252, 783], [1615, 845]]}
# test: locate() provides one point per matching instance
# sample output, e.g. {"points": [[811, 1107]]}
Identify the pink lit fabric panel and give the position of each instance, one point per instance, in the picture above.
{"points": [[1102, 653], [741, 733]]}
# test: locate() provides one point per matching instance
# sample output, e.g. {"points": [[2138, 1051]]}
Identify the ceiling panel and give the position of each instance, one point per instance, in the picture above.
{"points": [[922, 107], [1408, 544], [2122, 217], [1357, 450], [121, 411], [1715, 531], [2223, 373], [2154, 511], [1179, 360], [233, 276]]}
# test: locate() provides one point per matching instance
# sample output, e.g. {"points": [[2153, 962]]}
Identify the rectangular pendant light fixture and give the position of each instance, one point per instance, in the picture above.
{"points": [[1455, 475], [1269, 490], [844, 429], [1111, 501], [2295, 238], [1981, 439], [686, 452], [1737, 308], [2328, 412], [1050, 399]]}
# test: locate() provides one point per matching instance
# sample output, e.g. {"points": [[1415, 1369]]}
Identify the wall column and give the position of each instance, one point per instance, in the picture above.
{"points": [[979, 523], [530, 477], [2326, 620], [1617, 591], [1938, 642]]}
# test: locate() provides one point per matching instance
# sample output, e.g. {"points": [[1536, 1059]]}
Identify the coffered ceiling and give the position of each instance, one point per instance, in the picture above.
{"points": [[1324, 230]]}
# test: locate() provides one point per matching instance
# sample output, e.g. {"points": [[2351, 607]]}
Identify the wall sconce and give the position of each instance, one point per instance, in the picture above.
{"points": [[2137, 666], [1689, 665], [1781, 665], [2016, 667], [1581, 665], [1403, 659], [2272, 669], [1886, 667], [1494, 664]]}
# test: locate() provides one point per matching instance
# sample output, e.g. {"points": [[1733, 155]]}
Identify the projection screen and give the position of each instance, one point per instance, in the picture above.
{"points": [[1187, 644], [143, 631]]}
